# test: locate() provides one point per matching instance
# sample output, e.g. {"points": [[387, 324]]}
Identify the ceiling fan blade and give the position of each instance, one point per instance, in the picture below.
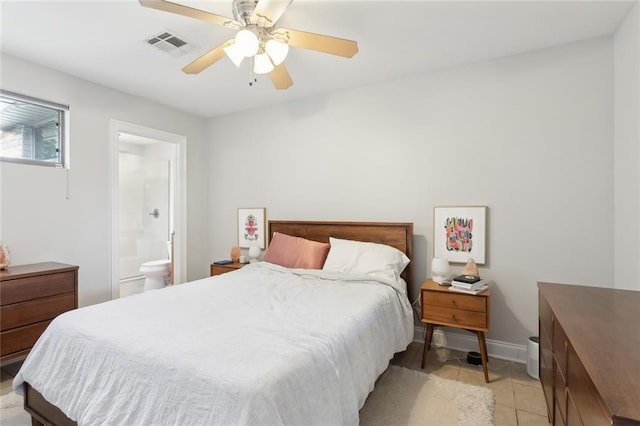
{"points": [[269, 11], [206, 60], [280, 77], [318, 42], [179, 9]]}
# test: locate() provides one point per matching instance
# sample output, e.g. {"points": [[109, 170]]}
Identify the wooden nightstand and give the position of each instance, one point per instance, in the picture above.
{"points": [[221, 269], [442, 307]]}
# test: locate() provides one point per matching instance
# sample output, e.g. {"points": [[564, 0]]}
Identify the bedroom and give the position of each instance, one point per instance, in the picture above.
{"points": [[549, 139]]}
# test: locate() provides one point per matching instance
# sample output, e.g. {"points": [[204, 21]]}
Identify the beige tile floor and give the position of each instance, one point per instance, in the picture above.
{"points": [[519, 398]]}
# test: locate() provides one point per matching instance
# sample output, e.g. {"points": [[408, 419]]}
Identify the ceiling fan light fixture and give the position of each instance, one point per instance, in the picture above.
{"points": [[247, 42], [276, 50], [235, 53], [262, 64]]}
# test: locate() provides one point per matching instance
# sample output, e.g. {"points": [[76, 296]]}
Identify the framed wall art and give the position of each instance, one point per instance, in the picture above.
{"points": [[460, 234], [252, 227]]}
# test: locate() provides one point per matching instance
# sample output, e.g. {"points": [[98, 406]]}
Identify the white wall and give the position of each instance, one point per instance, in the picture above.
{"points": [[627, 152], [40, 224], [530, 136]]}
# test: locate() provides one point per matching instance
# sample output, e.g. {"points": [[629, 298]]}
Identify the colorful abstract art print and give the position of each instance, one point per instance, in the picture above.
{"points": [[252, 227], [460, 234]]}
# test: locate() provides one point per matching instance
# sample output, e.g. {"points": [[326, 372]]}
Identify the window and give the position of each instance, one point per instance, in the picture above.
{"points": [[32, 131]]}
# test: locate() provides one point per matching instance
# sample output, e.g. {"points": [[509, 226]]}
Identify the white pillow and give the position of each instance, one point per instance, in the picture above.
{"points": [[360, 257]]}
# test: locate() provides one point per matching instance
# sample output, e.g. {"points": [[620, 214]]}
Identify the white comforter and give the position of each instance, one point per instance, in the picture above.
{"points": [[263, 345]]}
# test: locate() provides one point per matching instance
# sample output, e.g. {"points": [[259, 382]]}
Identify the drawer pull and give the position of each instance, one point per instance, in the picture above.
{"points": [[453, 317], [453, 302]]}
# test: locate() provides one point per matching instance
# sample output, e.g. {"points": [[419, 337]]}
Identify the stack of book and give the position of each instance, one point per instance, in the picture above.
{"points": [[470, 284]]}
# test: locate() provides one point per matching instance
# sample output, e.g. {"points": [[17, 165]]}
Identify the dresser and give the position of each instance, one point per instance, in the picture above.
{"points": [[589, 354], [443, 307], [30, 297]]}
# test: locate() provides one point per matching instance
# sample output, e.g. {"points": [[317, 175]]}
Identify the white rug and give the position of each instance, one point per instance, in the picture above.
{"points": [[11, 411], [401, 397], [409, 397]]}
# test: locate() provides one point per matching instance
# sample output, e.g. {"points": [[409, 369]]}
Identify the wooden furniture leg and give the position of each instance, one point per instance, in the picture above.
{"points": [[483, 354], [428, 334]]}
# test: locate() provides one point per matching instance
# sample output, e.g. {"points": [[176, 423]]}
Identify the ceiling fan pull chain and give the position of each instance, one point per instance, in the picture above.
{"points": [[252, 74]]}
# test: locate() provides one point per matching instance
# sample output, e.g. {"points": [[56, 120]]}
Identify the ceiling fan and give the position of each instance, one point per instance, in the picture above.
{"points": [[258, 39]]}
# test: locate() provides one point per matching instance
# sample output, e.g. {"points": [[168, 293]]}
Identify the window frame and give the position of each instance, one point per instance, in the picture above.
{"points": [[63, 111]]}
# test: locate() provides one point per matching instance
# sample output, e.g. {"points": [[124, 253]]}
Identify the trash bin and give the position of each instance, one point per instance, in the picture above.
{"points": [[532, 356]]}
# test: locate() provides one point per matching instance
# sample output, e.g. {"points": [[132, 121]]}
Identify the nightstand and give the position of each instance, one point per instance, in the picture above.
{"points": [[221, 269], [442, 307]]}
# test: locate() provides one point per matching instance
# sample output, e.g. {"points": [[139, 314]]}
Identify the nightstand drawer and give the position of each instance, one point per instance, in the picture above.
{"points": [[223, 269], [454, 316], [453, 300]]}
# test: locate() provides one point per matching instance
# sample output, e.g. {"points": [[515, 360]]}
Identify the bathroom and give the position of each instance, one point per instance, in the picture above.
{"points": [[145, 212]]}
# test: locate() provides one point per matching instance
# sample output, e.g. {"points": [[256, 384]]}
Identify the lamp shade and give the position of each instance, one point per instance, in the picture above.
{"points": [[254, 253], [439, 269], [235, 53], [247, 42], [276, 50], [262, 64]]}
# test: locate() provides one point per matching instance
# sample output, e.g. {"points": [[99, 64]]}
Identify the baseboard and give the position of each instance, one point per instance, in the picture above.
{"points": [[468, 342]]}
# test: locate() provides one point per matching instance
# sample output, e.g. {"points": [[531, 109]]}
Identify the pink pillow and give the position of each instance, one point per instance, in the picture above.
{"points": [[296, 252]]}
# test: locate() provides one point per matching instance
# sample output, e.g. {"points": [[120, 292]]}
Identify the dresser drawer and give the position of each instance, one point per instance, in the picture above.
{"points": [[546, 316], [18, 290], [453, 300], [560, 392], [25, 313], [21, 339], [560, 347], [584, 394], [455, 317]]}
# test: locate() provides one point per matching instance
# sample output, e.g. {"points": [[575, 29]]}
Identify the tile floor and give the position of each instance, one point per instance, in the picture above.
{"points": [[519, 398]]}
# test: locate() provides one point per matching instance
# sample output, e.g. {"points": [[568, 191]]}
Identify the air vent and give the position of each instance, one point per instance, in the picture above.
{"points": [[170, 43]]}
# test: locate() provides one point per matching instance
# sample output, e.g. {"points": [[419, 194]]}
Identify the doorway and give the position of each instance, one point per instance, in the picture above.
{"points": [[148, 203]]}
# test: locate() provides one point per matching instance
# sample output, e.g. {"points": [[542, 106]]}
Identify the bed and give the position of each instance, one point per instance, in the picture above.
{"points": [[267, 344]]}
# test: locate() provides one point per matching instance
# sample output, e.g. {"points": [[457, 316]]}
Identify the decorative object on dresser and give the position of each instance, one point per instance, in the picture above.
{"points": [[471, 284], [5, 256], [218, 268], [439, 270], [441, 307], [589, 354], [252, 227], [460, 233], [470, 268], [31, 296], [235, 254]]}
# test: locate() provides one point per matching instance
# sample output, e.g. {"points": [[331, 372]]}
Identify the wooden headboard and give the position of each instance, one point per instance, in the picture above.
{"points": [[394, 234]]}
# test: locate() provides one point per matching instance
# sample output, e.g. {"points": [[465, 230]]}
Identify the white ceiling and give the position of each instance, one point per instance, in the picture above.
{"points": [[103, 41]]}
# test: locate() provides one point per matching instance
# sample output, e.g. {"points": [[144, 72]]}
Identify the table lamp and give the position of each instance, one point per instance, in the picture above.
{"points": [[254, 253], [440, 269]]}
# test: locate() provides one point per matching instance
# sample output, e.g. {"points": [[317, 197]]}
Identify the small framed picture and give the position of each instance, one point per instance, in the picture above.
{"points": [[460, 234], [252, 227]]}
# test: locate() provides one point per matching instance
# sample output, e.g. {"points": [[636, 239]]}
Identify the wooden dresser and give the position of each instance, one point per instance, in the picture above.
{"points": [[590, 354], [30, 297]]}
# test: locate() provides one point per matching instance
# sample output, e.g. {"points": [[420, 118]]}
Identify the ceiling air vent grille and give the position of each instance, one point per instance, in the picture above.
{"points": [[171, 44]]}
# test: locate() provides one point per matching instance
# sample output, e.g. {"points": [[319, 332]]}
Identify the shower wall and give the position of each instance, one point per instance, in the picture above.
{"points": [[144, 187]]}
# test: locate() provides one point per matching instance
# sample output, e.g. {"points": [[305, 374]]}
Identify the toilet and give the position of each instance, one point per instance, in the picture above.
{"points": [[156, 272]]}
